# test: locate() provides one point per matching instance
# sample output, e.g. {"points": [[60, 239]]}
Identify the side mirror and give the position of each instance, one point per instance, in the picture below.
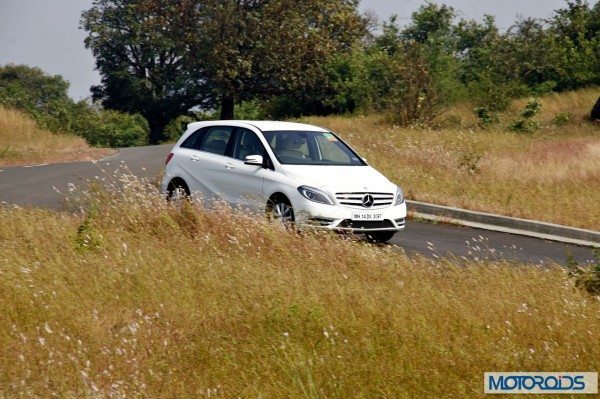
{"points": [[256, 160]]}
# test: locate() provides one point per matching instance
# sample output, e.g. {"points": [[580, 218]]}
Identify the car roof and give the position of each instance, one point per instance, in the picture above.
{"points": [[264, 126]]}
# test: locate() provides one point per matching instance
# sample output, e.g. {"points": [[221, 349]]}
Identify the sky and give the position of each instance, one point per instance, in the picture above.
{"points": [[46, 34]]}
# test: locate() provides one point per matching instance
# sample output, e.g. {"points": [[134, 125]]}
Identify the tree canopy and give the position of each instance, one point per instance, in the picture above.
{"points": [[162, 58]]}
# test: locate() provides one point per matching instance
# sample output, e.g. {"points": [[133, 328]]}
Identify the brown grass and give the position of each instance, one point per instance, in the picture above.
{"points": [[551, 175], [22, 142], [136, 298]]}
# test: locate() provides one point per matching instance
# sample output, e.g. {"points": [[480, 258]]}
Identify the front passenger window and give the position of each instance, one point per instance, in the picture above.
{"points": [[247, 143], [216, 140]]}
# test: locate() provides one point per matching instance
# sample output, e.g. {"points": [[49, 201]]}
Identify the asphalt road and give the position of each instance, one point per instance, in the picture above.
{"points": [[47, 185]]}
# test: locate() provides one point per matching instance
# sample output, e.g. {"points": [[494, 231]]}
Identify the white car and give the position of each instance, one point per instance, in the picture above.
{"points": [[295, 172]]}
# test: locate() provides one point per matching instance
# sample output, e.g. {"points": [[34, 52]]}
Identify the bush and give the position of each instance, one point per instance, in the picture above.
{"points": [[562, 118], [45, 99], [109, 128], [176, 127], [486, 117], [250, 110], [525, 123], [587, 278]]}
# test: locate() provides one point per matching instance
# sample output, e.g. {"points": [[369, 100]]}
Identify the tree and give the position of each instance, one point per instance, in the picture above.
{"points": [[30, 89], [143, 51], [576, 33], [161, 58]]}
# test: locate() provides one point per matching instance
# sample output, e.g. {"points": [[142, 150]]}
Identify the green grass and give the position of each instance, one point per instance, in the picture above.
{"points": [[136, 298]]}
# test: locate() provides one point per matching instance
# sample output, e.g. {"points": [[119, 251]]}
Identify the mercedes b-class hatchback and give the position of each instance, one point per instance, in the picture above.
{"points": [[296, 173]]}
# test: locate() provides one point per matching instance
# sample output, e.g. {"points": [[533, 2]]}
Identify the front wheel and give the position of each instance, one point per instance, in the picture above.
{"points": [[280, 209], [380, 236]]}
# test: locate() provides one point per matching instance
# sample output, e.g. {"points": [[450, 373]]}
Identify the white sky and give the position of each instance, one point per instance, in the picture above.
{"points": [[44, 33]]}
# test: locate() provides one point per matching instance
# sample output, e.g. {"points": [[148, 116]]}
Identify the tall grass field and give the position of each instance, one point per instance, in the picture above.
{"points": [[551, 174], [133, 297]]}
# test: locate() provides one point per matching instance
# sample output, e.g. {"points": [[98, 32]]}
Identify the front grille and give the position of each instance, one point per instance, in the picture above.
{"points": [[366, 224], [355, 200]]}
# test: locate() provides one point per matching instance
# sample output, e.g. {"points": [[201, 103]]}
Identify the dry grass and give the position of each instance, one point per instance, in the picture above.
{"points": [[22, 142], [552, 175], [139, 299]]}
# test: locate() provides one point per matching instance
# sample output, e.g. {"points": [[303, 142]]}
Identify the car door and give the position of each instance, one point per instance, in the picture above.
{"points": [[243, 184], [187, 157], [207, 163]]}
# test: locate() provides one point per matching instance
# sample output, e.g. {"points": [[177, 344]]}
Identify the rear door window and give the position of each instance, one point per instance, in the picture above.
{"points": [[217, 140], [194, 140]]}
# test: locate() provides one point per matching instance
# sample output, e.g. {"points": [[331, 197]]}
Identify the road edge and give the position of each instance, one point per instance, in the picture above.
{"points": [[504, 224]]}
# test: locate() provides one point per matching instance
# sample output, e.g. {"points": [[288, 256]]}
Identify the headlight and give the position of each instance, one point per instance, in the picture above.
{"points": [[315, 195], [399, 196]]}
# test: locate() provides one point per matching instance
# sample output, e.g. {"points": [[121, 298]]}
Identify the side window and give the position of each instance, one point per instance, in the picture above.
{"points": [[247, 143], [216, 139], [194, 140]]}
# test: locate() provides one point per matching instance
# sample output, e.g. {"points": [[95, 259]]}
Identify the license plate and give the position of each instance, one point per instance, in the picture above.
{"points": [[367, 216]]}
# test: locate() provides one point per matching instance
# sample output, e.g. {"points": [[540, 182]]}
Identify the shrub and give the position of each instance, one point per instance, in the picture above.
{"points": [[525, 123], [250, 110], [587, 278], [562, 118], [485, 116], [45, 99], [109, 128], [176, 127]]}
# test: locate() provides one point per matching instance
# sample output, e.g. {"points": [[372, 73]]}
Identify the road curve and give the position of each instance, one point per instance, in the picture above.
{"points": [[46, 185]]}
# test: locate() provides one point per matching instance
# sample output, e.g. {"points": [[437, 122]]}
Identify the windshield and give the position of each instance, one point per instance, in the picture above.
{"points": [[311, 148]]}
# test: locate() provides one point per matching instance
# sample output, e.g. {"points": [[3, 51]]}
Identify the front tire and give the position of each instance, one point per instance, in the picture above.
{"points": [[280, 209], [380, 236]]}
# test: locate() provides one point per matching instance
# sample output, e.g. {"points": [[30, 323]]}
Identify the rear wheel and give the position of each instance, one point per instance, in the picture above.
{"points": [[280, 209], [178, 191], [380, 236]]}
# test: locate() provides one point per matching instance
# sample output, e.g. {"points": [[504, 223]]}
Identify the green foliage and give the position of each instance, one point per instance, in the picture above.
{"points": [[587, 278], [114, 129], [486, 117], [146, 53], [45, 99], [250, 110], [562, 118], [87, 238], [526, 123], [227, 53], [176, 127], [155, 62]]}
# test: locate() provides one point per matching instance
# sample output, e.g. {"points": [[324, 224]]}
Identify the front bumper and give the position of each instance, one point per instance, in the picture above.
{"points": [[339, 218]]}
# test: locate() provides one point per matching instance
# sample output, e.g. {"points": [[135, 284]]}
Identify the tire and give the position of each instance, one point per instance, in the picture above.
{"points": [[178, 191], [380, 236], [280, 209]]}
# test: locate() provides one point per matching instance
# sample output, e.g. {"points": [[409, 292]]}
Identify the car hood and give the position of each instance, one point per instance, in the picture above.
{"points": [[339, 178]]}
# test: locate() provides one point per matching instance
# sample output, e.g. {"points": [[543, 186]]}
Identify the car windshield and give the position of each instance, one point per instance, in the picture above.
{"points": [[311, 148]]}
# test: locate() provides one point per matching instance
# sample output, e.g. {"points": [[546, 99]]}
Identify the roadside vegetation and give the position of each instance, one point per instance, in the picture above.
{"points": [[550, 174], [23, 142], [135, 297]]}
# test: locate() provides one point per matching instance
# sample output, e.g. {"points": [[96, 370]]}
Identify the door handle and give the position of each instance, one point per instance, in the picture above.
{"points": [[195, 158], [229, 165]]}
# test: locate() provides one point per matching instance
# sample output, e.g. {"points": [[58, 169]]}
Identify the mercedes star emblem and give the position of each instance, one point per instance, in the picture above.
{"points": [[368, 201]]}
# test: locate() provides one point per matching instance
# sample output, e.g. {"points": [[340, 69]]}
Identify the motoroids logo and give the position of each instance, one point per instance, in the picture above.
{"points": [[540, 382]]}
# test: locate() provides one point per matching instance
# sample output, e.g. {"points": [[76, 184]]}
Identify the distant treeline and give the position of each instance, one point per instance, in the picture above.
{"points": [[180, 60]]}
